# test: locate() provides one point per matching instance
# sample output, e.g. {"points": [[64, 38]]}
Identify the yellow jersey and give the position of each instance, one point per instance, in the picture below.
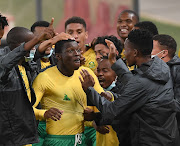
{"points": [[90, 59], [54, 89]]}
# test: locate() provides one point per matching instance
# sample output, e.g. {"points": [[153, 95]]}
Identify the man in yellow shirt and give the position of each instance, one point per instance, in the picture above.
{"points": [[59, 87], [76, 27]]}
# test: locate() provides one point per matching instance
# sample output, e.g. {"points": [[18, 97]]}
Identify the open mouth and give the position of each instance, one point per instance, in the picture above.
{"points": [[101, 80], [77, 60], [123, 30]]}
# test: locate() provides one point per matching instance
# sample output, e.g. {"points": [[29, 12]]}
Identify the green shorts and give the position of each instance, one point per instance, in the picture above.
{"points": [[90, 134], [65, 140], [41, 132]]}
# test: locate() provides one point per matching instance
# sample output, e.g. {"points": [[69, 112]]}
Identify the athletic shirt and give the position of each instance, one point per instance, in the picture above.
{"points": [[54, 89], [25, 79], [45, 64], [90, 58]]}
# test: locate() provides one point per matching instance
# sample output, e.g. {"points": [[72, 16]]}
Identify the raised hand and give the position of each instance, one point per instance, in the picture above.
{"points": [[53, 113], [47, 33], [88, 80], [113, 51]]}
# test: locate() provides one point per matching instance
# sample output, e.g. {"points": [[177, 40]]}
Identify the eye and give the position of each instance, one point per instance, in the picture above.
{"points": [[105, 70], [129, 21], [79, 32], [70, 32], [79, 50], [70, 51]]}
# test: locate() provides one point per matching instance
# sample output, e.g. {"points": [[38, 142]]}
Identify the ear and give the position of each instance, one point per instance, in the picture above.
{"points": [[58, 56], [86, 35], [136, 53], [165, 53]]}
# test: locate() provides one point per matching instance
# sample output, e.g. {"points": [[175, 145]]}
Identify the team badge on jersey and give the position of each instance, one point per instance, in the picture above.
{"points": [[66, 97]]}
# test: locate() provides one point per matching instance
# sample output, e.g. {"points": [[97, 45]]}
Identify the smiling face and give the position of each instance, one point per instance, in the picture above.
{"points": [[70, 56], [105, 74], [125, 24], [78, 31]]}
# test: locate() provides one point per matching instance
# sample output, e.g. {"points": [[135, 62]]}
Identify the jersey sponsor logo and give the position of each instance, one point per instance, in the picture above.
{"points": [[66, 97], [91, 64]]}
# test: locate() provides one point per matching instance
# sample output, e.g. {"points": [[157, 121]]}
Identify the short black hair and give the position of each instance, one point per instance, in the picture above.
{"points": [[39, 24], [131, 12], [147, 25], [142, 40], [167, 42], [62, 44], [115, 40], [16, 36], [75, 19], [3, 21]]}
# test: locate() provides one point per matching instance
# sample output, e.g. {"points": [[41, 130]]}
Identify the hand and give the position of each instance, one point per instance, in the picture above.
{"points": [[88, 114], [88, 80], [107, 95], [113, 51], [62, 36], [101, 129], [53, 113], [47, 33], [48, 43]]}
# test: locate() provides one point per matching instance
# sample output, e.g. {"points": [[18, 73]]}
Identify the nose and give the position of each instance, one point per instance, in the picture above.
{"points": [[123, 23], [75, 35], [100, 73]]}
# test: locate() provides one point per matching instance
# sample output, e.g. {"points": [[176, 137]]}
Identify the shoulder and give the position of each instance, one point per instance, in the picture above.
{"points": [[47, 72]]}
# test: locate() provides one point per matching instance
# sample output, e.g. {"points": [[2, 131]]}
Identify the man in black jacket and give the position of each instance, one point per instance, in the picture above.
{"points": [[164, 46], [17, 122], [147, 101]]}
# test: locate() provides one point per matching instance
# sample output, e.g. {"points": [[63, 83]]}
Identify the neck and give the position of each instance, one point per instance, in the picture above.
{"points": [[84, 49], [62, 68], [45, 59], [166, 59], [142, 60], [122, 40]]}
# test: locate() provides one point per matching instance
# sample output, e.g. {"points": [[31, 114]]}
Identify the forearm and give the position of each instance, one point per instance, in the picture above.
{"points": [[8, 61], [122, 71], [101, 103]]}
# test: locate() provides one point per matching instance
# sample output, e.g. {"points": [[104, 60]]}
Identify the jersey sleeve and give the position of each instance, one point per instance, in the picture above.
{"points": [[39, 86]]}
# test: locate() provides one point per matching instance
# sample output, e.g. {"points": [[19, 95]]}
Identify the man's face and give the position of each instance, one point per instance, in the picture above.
{"points": [[125, 24], [78, 31], [105, 74], [100, 51], [70, 56], [129, 52], [39, 30], [157, 49], [1, 33]]}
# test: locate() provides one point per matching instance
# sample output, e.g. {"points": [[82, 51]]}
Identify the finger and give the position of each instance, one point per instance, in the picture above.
{"points": [[82, 74], [80, 80], [107, 127], [53, 118], [57, 116], [51, 24]]}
